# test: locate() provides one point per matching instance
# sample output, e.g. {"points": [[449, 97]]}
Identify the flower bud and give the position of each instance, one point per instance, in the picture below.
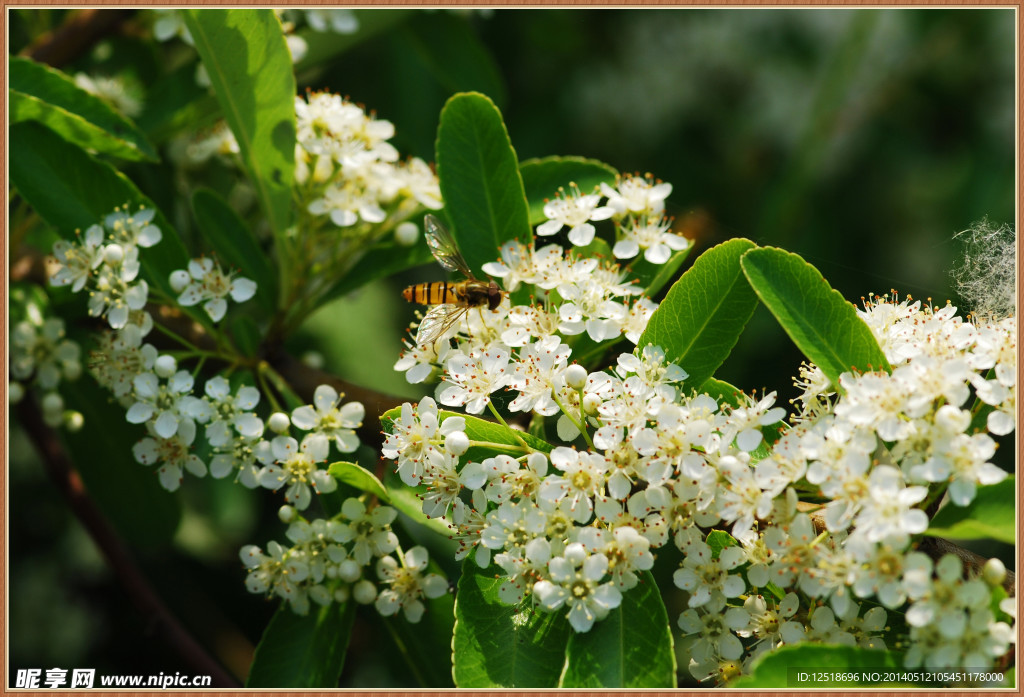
{"points": [[165, 366], [457, 443], [278, 422], [286, 513], [179, 279], [994, 572], [406, 234], [53, 404], [590, 403], [15, 392], [364, 592], [113, 254], [341, 594], [313, 359], [73, 421], [349, 571], [575, 376]]}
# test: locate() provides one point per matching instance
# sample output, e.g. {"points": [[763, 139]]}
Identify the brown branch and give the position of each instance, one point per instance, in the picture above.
{"points": [[81, 30], [150, 606]]}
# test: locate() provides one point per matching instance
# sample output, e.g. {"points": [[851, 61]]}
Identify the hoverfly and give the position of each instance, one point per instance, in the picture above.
{"points": [[451, 300]]}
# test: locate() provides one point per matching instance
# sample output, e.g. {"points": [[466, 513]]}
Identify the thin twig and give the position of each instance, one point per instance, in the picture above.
{"points": [[150, 606]]}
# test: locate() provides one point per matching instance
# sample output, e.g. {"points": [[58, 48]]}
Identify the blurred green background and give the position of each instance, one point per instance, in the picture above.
{"points": [[862, 139]]}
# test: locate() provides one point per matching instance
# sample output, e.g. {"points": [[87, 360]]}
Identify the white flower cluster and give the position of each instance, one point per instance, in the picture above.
{"points": [[347, 169], [42, 356], [159, 395], [327, 559], [205, 282], [636, 204], [572, 528], [105, 262]]}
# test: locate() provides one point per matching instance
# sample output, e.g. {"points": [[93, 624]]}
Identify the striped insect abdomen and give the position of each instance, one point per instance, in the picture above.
{"points": [[436, 293]]}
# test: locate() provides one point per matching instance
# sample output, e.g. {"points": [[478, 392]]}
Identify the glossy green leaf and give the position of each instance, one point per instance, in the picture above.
{"points": [[129, 494], [990, 515], [359, 477], [479, 175], [71, 189], [454, 54], [823, 663], [704, 313], [722, 391], [299, 651], [235, 244], [43, 94], [542, 178], [250, 69], [487, 438], [823, 325], [718, 540], [653, 277], [631, 648], [504, 646]]}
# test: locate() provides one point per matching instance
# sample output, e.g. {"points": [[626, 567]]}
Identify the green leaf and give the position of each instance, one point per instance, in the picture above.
{"points": [[630, 648], [499, 645], [989, 516], [303, 651], [704, 313], [722, 391], [40, 93], [823, 325], [781, 668], [360, 478], [718, 540], [235, 244], [130, 495], [427, 645], [480, 182], [494, 435], [72, 190], [653, 277], [454, 54], [250, 69], [247, 334], [542, 178]]}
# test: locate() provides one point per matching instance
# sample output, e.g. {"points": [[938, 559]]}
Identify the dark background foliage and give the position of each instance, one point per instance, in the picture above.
{"points": [[861, 139]]}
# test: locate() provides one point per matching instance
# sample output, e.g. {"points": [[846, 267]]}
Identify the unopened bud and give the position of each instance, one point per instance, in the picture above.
{"points": [[278, 422], [457, 443], [590, 403], [994, 572], [341, 594], [406, 234], [349, 571], [15, 392], [364, 592], [576, 376], [179, 279], [286, 513], [73, 421], [113, 254], [165, 366]]}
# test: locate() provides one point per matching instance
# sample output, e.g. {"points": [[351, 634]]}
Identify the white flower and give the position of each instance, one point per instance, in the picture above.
{"points": [[290, 464], [583, 477], [223, 411], [705, 577], [167, 406], [78, 259], [654, 236], [888, 515], [575, 580], [537, 374], [174, 453], [512, 526], [338, 20], [415, 439], [639, 195], [39, 347], [407, 584], [240, 453], [574, 211], [329, 423], [626, 549], [713, 631], [211, 286], [471, 378], [772, 625], [368, 531]]}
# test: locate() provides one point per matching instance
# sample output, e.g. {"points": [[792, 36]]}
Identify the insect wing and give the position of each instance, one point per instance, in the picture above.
{"points": [[443, 247], [437, 322]]}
